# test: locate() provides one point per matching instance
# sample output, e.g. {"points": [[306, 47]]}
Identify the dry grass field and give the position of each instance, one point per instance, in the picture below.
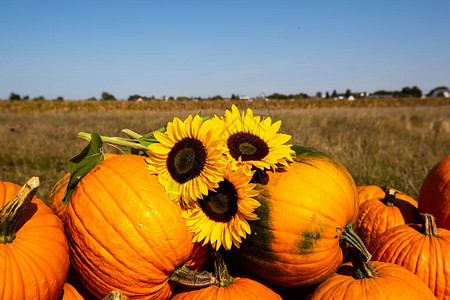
{"points": [[379, 144]]}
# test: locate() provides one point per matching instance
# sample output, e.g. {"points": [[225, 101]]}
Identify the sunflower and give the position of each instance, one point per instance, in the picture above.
{"points": [[220, 218], [188, 159], [254, 142]]}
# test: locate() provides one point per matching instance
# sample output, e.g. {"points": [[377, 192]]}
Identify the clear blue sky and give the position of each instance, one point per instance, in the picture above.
{"points": [[77, 49]]}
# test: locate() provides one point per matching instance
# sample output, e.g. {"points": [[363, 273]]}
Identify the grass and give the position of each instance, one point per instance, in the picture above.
{"points": [[382, 145]]}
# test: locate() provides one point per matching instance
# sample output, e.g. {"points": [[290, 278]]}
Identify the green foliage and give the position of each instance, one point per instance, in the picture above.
{"points": [[14, 97], [107, 97]]}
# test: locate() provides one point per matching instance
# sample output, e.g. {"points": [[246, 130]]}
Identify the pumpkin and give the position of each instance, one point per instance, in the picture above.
{"points": [[372, 280], [434, 194], [70, 293], [124, 232], [305, 214], [54, 200], [34, 255], [423, 249], [382, 210], [226, 287]]}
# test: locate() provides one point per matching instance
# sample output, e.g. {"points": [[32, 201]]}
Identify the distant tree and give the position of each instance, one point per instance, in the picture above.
{"points": [[278, 96], [26, 97], [327, 95], [92, 99], [233, 97], [416, 92], [14, 97], [348, 93], [443, 87], [334, 94], [319, 94], [134, 97], [217, 97], [107, 97], [60, 98], [40, 98]]}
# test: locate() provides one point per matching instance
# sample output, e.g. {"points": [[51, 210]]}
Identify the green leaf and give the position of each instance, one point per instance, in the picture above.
{"points": [[81, 164], [149, 138]]}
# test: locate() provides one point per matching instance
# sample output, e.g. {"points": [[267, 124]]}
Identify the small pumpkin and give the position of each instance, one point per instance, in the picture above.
{"points": [[124, 232], [371, 280], [382, 210], [305, 215], [434, 194], [70, 293], [226, 287], [34, 255], [423, 249]]}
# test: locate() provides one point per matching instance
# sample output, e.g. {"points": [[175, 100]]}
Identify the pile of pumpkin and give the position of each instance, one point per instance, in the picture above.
{"points": [[115, 228]]}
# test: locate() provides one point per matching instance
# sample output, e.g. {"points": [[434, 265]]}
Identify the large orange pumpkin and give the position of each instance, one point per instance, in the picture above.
{"points": [[305, 214], [382, 210], [424, 250], [70, 293], [434, 195], [226, 287], [372, 280], [34, 255], [55, 199], [124, 232]]}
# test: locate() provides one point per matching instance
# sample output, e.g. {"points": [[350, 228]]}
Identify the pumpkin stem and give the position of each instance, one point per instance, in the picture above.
{"points": [[429, 227], [221, 275], [389, 198], [363, 269], [14, 209], [187, 277], [350, 236], [115, 295]]}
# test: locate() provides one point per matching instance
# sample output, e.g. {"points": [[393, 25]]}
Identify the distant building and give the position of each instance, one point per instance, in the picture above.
{"points": [[441, 92]]}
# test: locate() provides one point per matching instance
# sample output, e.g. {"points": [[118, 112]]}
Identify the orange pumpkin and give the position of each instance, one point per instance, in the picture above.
{"points": [[423, 249], [434, 195], [226, 287], [382, 210], [306, 212], [372, 280], [34, 255], [54, 200], [70, 293], [124, 232]]}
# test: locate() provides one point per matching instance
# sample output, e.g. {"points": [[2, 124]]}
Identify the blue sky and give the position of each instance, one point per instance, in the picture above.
{"points": [[77, 49]]}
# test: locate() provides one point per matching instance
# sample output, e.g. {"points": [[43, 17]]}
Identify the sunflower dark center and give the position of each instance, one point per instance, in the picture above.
{"points": [[247, 146], [221, 205], [186, 159]]}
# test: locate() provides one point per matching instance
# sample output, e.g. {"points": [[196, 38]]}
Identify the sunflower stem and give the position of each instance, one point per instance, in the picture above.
{"points": [[221, 275], [190, 278], [350, 236], [389, 198], [115, 141], [14, 209], [429, 227], [131, 133]]}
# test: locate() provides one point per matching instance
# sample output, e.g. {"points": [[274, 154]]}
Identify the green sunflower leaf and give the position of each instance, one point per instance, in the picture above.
{"points": [[81, 164]]}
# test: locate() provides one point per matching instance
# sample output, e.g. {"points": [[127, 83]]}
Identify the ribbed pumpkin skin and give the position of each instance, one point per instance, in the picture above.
{"points": [[302, 215], [124, 232], [54, 200], [391, 282], [426, 256], [375, 217], [70, 293], [241, 288], [35, 264], [434, 195]]}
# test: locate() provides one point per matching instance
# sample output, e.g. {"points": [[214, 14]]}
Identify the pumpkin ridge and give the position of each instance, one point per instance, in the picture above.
{"points": [[11, 269], [131, 187]]}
